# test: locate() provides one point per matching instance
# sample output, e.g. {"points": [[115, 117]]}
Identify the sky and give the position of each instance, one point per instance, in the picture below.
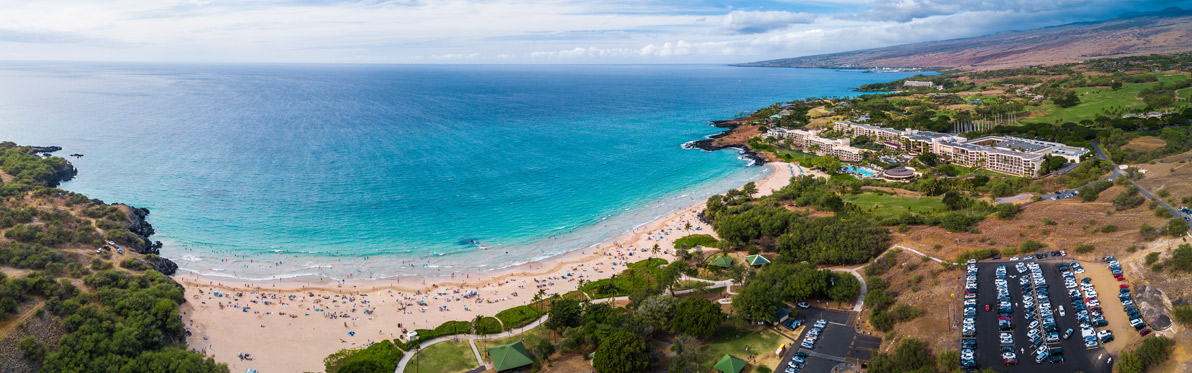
{"points": [[510, 31]]}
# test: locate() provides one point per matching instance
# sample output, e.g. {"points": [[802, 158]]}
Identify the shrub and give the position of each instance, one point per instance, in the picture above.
{"points": [[32, 349], [1151, 258], [694, 240], [378, 357], [518, 316], [133, 264], [1183, 314], [1109, 229], [1030, 246], [1084, 248]]}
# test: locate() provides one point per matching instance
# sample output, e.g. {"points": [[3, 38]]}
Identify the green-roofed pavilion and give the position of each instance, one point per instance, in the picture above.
{"points": [[757, 260], [509, 356], [723, 261], [730, 364]]}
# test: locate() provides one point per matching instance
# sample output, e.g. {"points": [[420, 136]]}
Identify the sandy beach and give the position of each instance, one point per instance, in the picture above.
{"points": [[289, 326]]}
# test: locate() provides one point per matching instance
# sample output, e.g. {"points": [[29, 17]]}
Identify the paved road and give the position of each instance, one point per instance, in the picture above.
{"points": [[1117, 173]]}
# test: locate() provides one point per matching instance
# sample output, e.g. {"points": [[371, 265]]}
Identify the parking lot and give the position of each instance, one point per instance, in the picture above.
{"points": [[988, 353], [838, 343]]}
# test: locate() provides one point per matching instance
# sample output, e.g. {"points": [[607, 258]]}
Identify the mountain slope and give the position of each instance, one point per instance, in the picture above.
{"points": [[1167, 31]]}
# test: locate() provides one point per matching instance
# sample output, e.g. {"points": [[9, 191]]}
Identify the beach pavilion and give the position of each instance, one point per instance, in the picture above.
{"points": [[722, 261], [510, 356], [730, 364], [757, 260]]}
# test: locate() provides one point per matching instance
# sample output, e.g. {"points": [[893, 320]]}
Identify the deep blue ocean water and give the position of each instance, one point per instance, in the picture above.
{"points": [[319, 166]]}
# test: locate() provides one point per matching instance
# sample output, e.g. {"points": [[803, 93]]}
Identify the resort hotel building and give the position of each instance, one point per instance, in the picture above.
{"points": [[810, 140], [1003, 154]]}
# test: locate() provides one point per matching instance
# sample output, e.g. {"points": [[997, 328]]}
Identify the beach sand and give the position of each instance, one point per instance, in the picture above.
{"points": [[290, 326]]}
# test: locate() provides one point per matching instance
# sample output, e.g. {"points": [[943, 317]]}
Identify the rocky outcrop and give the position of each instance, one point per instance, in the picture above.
{"points": [[1150, 303], [163, 265], [708, 144]]}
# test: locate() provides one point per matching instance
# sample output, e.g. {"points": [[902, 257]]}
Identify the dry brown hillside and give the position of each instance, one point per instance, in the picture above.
{"points": [[1151, 33]]}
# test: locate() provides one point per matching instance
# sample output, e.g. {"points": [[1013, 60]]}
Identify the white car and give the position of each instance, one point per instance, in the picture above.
{"points": [[1062, 311]]}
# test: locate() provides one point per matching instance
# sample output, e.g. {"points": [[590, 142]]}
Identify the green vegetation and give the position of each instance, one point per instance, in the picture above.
{"points": [[1084, 248], [622, 352], [1181, 259], [764, 293], [691, 241], [1153, 351], [887, 206], [1182, 314], [449, 356], [446, 328], [487, 325], [732, 339], [911, 355], [519, 316], [880, 299], [378, 357], [639, 276]]}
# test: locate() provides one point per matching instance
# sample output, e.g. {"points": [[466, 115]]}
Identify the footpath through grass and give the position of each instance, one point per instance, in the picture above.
{"points": [[444, 357]]}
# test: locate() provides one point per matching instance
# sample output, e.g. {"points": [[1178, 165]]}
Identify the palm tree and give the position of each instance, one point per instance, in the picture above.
{"points": [[654, 252]]}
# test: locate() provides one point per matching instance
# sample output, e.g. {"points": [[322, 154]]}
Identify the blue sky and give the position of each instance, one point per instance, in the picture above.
{"points": [[517, 31]]}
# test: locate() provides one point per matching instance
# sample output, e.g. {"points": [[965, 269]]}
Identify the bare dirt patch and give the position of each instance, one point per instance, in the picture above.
{"points": [[1075, 223], [1146, 143]]}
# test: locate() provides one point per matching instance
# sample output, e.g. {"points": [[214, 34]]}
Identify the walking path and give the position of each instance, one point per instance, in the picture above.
{"points": [[405, 359], [864, 286], [479, 360], [937, 260]]}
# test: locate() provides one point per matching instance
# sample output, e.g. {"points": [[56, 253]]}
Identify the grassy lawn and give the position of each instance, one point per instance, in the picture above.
{"points": [[444, 357], [691, 241], [1098, 99], [730, 339], [530, 337], [518, 316], [887, 205]]}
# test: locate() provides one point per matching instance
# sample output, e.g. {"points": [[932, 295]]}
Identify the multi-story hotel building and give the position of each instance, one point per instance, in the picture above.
{"points": [[1005, 154]]}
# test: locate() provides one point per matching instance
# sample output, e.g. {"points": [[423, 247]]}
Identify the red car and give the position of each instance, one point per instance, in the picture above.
{"points": [[1144, 332], [987, 308], [1123, 286]]}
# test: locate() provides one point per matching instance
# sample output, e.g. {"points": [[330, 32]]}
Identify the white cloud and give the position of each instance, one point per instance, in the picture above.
{"points": [[505, 31], [746, 22]]}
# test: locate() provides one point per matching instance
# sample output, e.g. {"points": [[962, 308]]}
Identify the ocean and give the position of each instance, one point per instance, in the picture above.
{"points": [[265, 171]]}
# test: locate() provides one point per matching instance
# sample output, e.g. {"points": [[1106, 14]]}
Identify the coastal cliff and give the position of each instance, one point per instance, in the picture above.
{"points": [[733, 137]]}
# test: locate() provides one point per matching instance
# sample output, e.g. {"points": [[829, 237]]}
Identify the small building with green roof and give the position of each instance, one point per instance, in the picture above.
{"points": [[510, 356], [722, 261], [730, 364], [757, 260]]}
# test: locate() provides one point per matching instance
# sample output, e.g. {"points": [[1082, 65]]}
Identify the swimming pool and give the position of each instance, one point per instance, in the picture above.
{"points": [[861, 171]]}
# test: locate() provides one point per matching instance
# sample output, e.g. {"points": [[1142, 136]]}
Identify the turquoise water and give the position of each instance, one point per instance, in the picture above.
{"points": [[376, 171]]}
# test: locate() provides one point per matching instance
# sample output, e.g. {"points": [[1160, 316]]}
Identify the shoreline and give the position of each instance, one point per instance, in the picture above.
{"points": [[291, 313]]}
